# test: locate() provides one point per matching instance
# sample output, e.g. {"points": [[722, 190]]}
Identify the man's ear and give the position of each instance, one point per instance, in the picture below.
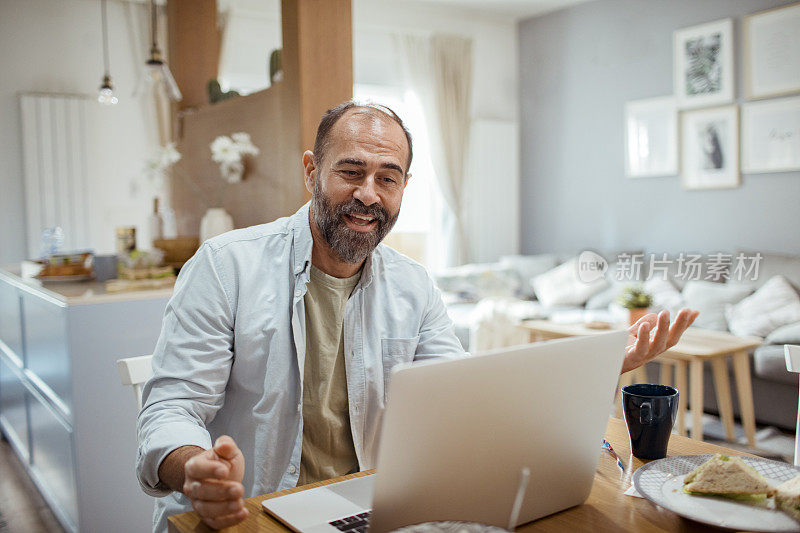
{"points": [[310, 171], [408, 177]]}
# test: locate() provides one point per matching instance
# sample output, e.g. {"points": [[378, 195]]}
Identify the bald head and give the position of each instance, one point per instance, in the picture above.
{"points": [[360, 112]]}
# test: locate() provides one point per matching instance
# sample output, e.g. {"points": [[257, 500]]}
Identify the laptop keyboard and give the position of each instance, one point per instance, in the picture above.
{"points": [[355, 524]]}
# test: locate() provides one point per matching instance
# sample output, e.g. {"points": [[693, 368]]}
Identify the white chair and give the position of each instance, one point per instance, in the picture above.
{"points": [[135, 371], [793, 365]]}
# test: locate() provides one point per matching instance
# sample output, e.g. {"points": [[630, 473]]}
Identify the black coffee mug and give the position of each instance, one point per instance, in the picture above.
{"points": [[650, 412]]}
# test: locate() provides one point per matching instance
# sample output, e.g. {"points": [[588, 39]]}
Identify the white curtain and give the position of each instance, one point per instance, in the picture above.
{"points": [[439, 70]]}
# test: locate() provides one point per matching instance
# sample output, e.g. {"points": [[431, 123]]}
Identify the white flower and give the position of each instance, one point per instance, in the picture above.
{"points": [[169, 155], [241, 138], [243, 143], [232, 172], [224, 150], [229, 151], [155, 167]]}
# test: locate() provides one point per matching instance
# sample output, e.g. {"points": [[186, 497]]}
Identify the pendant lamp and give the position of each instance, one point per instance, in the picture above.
{"points": [[157, 69], [105, 94]]}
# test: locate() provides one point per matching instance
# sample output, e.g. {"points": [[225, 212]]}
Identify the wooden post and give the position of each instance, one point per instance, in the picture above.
{"points": [[194, 43], [318, 57]]}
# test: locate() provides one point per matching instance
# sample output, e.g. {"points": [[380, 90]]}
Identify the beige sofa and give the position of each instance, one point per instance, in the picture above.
{"points": [[775, 389]]}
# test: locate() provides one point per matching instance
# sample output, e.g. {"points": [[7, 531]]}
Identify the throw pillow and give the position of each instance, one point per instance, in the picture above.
{"points": [[606, 297], [710, 299], [665, 295], [773, 305], [528, 267], [789, 334], [561, 286], [478, 280]]}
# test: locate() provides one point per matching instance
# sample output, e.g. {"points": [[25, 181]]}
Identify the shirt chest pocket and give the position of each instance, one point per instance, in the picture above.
{"points": [[394, 352]]}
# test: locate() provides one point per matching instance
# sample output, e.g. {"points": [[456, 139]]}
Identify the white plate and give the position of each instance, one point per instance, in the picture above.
{"points": [[661, 482]]}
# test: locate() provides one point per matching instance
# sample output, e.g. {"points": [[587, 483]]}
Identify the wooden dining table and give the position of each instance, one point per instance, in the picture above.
{"points": [[606, 509]]}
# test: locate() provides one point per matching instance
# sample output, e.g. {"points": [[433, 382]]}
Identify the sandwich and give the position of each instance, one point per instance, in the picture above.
{"points": [[729, 477], [787, 497]]}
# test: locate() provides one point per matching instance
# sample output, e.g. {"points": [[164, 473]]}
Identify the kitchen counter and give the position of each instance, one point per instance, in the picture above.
{"points": [[76, 292], [63, 408]]}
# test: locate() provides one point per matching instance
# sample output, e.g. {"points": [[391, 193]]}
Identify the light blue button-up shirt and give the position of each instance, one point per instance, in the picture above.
{"points": [[230, 357]]}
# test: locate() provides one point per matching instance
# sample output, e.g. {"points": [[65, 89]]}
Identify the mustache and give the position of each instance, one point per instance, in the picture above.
{"points": [[355, 206]]}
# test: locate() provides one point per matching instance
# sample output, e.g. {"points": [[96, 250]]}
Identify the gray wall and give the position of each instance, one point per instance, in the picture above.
{"points": [[578, 67]]}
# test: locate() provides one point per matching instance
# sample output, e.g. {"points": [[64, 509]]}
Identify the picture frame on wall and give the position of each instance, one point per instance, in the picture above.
{"points": [[651, 137], [771, 136], [772, 52], [710, 148], [703, 63]]}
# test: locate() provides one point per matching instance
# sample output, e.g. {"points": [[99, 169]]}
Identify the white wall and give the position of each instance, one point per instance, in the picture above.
{"points": [[578, 68], [492, 188], [252, 29], [55, 46]]}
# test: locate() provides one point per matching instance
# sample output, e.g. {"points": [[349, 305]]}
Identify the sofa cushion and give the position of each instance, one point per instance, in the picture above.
{"points": [[561, 286], [789, 334], [773, 305], [478, 280], [770, 363], [607, 296], [665, 295], [710, 299], [528, 267], [771, 265]]}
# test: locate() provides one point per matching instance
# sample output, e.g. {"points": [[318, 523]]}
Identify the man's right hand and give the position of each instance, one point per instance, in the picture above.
{"points": [[213, 483]]}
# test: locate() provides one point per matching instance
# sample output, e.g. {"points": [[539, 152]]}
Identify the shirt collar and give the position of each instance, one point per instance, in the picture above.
{"points": [[304, 242]]}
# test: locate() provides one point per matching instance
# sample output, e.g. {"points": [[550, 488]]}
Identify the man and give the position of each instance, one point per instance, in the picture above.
{"points": [[283, 335]]}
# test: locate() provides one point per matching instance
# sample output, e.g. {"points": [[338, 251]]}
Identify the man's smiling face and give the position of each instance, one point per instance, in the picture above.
{"points": [[358, 183]]}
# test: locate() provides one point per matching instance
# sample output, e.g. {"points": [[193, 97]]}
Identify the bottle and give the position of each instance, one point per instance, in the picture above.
{"points": [[126, 240], [155, 223]]}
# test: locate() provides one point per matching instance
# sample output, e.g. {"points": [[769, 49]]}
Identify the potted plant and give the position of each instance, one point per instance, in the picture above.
{"points": [[636, 300]]}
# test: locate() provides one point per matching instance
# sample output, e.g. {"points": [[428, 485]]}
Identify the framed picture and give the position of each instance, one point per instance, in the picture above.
{"points": [[703, 62], [772, 52], [651, 138], [771, 136], [710, 148]]}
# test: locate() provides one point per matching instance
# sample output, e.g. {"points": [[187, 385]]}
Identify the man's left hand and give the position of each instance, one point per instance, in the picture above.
{"points": [[643, 347]]}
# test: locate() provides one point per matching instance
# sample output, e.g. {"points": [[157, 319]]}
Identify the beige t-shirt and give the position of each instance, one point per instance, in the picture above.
{"points": [[328, 449]]}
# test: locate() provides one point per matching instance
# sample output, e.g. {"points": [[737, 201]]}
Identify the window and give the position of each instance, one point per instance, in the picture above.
{"points": [[415, 233]]}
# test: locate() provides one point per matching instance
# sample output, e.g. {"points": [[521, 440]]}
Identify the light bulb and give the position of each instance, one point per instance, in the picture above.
{"points": [[106, 94], [106, 97]]}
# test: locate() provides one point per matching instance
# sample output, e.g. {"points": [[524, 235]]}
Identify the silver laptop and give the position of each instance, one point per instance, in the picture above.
{"points": [[500, 438]]}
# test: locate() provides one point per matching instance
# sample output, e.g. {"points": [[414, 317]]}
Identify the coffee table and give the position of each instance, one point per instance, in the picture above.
{"points": [[695, 348]]}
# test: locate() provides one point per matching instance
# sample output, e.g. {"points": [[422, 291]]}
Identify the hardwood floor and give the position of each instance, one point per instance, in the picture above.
{"points": [[21, 506]]}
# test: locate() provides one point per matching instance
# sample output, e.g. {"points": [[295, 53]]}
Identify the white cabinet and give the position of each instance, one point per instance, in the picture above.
{"points": [[52, 459], [13, 406], [62, 406]]}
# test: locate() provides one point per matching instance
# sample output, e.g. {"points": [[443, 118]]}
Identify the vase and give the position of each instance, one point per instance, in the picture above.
{"points": [[214, 222], [636, 313]]}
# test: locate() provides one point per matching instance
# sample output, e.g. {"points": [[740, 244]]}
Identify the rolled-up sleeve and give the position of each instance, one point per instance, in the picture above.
{"points": [[437, 336], [191, 366]]}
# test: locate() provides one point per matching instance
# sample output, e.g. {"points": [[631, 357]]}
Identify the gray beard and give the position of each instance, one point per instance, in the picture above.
{"points": [[349, 245]]}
